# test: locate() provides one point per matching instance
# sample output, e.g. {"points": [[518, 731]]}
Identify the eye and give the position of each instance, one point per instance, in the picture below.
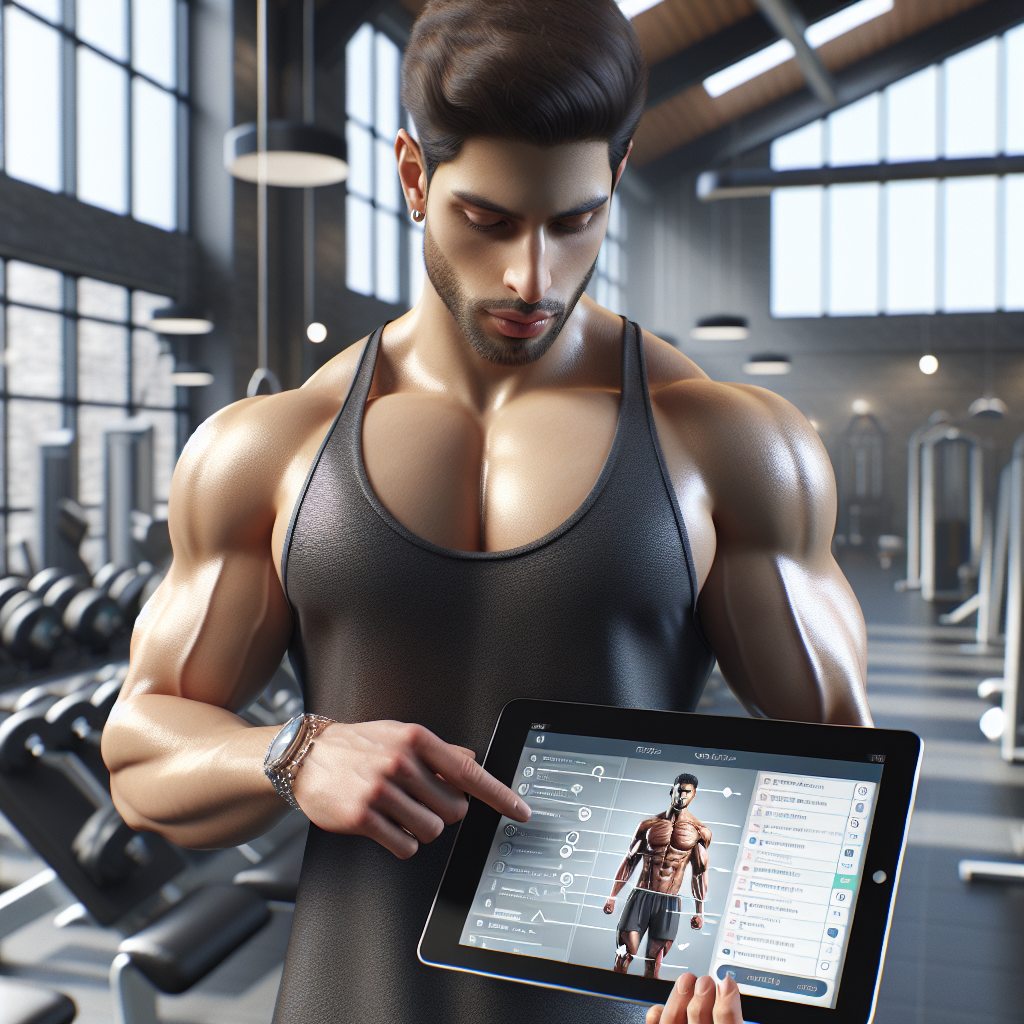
{"points": [[574, 225], [483, 221]]}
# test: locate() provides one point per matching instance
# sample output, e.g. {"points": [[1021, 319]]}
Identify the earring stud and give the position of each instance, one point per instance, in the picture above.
{"points": [[417, 215]]}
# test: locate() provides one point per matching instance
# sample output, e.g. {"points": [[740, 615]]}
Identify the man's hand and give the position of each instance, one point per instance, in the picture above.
{"points": [[698, 1002], [697, 922], [397, 784], [609, 905]]}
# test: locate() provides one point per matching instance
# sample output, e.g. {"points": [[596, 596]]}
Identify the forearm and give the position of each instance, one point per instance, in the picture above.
{"points": [[699, 888], [191, 771], [622, 876]]}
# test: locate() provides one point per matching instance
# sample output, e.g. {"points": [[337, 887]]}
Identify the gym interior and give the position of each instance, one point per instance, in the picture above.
{"points": [[825, 198]]}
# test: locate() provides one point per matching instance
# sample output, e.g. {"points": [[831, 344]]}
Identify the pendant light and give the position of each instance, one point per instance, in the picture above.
{"points": [[178, 319], [768, 365], [286, 154], [297, 155], [721, 328]]}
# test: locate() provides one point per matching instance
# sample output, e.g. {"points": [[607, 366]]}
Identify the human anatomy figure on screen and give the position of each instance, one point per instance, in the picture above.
{"points": [[665, 843]]}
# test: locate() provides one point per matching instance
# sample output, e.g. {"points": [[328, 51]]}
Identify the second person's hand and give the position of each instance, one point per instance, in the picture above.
{"points": [[699, 1001]]}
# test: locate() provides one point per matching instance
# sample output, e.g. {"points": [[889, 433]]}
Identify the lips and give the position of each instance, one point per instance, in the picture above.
{"points": [[520, 325]]}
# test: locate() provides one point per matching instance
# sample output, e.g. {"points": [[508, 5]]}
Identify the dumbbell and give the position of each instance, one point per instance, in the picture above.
{"points": [[28, 628], [106, 575], [89, 615], [127, 588]]}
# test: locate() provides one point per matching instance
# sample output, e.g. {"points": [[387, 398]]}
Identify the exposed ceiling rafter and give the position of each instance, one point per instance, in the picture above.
{"points": [[876, 72], [788, 20], [682, 70], [745, 182]]}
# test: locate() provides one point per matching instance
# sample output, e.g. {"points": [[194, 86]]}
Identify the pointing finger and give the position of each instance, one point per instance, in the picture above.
{"points": [[461, 771]]}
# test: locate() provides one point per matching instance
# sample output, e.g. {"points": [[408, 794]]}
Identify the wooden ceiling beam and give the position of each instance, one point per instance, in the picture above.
{"points": [[876, 72]]}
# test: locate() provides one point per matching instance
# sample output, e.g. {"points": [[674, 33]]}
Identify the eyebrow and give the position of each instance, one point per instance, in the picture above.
{"points": [[486, 204]]}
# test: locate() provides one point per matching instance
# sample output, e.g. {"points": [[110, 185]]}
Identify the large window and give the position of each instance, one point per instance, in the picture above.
{"points": [[95, 102], [607, 286], [953, 245], [73, 356], [376, 244]]}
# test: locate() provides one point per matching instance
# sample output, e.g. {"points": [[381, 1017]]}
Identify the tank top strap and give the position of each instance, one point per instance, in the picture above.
{"points": [[350, 421]]}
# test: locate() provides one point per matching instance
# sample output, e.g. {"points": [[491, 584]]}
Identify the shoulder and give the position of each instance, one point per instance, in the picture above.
{"points": [[232, 469], [751, 448]]}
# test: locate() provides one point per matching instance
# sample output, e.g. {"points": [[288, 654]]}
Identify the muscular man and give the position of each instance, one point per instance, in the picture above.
{"points": [[506, 492], [665, 843]]}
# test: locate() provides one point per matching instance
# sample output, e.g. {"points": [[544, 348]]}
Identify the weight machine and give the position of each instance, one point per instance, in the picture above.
{"points": [[1008, 559]]}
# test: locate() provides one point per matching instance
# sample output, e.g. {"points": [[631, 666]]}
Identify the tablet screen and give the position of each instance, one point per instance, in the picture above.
{"points": [[664, 859]]}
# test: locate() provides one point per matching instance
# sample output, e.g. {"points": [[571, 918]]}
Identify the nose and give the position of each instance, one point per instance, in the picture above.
{"points": [[528, 273]]}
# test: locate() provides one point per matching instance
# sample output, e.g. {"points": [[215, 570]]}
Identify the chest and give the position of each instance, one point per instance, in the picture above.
{"points": [[668, 838], [487, 483]]}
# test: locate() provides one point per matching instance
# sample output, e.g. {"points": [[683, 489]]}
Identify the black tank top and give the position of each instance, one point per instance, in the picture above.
{"points": [[390, 626]]}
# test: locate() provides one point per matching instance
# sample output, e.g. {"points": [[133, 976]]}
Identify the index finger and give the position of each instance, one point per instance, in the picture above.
{"points": [[457, 768]]}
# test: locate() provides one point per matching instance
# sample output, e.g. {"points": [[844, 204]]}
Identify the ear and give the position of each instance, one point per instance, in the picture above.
{"points": [[412, 170], [622, 164]]}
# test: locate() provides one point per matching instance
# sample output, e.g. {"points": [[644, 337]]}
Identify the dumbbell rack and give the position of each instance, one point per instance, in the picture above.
{"points": [[55, 790], [84, 623]]}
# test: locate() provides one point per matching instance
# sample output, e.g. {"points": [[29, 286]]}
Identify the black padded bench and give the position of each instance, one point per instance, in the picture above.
{"points": [[276, 877], [182, 947]]}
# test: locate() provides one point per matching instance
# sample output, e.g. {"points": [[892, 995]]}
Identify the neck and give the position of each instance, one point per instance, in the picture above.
{"points": [[426, 350]]}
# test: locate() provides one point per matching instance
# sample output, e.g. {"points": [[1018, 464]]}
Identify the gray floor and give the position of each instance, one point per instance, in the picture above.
{"points": [[955, 953]]}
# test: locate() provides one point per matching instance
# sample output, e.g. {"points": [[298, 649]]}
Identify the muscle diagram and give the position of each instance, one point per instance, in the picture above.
{"points": [[665, 844]]}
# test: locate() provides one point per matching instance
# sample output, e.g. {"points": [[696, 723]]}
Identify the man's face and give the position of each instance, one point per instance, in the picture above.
{"points": [[682, 794], [511, 238]]}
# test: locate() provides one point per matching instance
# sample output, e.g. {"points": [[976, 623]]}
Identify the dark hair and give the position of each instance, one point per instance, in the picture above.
{"points": [[540, 71], [686, 779]]}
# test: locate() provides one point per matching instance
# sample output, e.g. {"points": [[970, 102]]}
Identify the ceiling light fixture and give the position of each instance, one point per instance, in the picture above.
{"points": [[860, 407], [779, 52], [180, 318], [296, 156], [721, 328], [316, 333], [928, 364], [767, 366], [185, 375]]}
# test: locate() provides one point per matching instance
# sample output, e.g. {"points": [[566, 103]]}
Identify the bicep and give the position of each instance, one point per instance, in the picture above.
{"points": [[215, 630], [781, 617], [217, 627], [789, 635]]}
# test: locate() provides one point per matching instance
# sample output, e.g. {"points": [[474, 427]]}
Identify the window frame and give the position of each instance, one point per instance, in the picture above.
{"points": [[406, 231], [70, 44], [939, 304], [69, 401]]}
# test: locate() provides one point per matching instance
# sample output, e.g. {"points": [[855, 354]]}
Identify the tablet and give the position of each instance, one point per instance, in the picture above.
{"points": [[664, 842]]}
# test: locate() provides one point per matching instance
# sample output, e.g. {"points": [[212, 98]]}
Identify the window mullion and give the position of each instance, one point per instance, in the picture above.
{"points": [[69, 102], [129, 149]]}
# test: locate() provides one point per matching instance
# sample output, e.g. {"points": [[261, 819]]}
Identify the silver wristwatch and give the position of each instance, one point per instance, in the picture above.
{"points": [[287, 751]]}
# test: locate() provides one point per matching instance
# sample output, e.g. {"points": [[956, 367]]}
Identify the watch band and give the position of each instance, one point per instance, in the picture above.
{"points": [[282, 772]]}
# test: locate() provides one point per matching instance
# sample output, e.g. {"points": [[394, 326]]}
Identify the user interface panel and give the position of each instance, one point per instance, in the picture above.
{"points": [[663, 859]]}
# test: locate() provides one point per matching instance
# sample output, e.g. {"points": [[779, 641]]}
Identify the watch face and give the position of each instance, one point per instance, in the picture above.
{"points": [[283, 741]]}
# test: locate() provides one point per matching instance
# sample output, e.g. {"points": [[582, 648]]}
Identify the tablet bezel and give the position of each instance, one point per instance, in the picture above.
{"points": [[439, 945]]}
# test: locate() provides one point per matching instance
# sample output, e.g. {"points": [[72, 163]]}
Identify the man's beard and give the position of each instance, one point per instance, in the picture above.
{"points": [[512, 351]]}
